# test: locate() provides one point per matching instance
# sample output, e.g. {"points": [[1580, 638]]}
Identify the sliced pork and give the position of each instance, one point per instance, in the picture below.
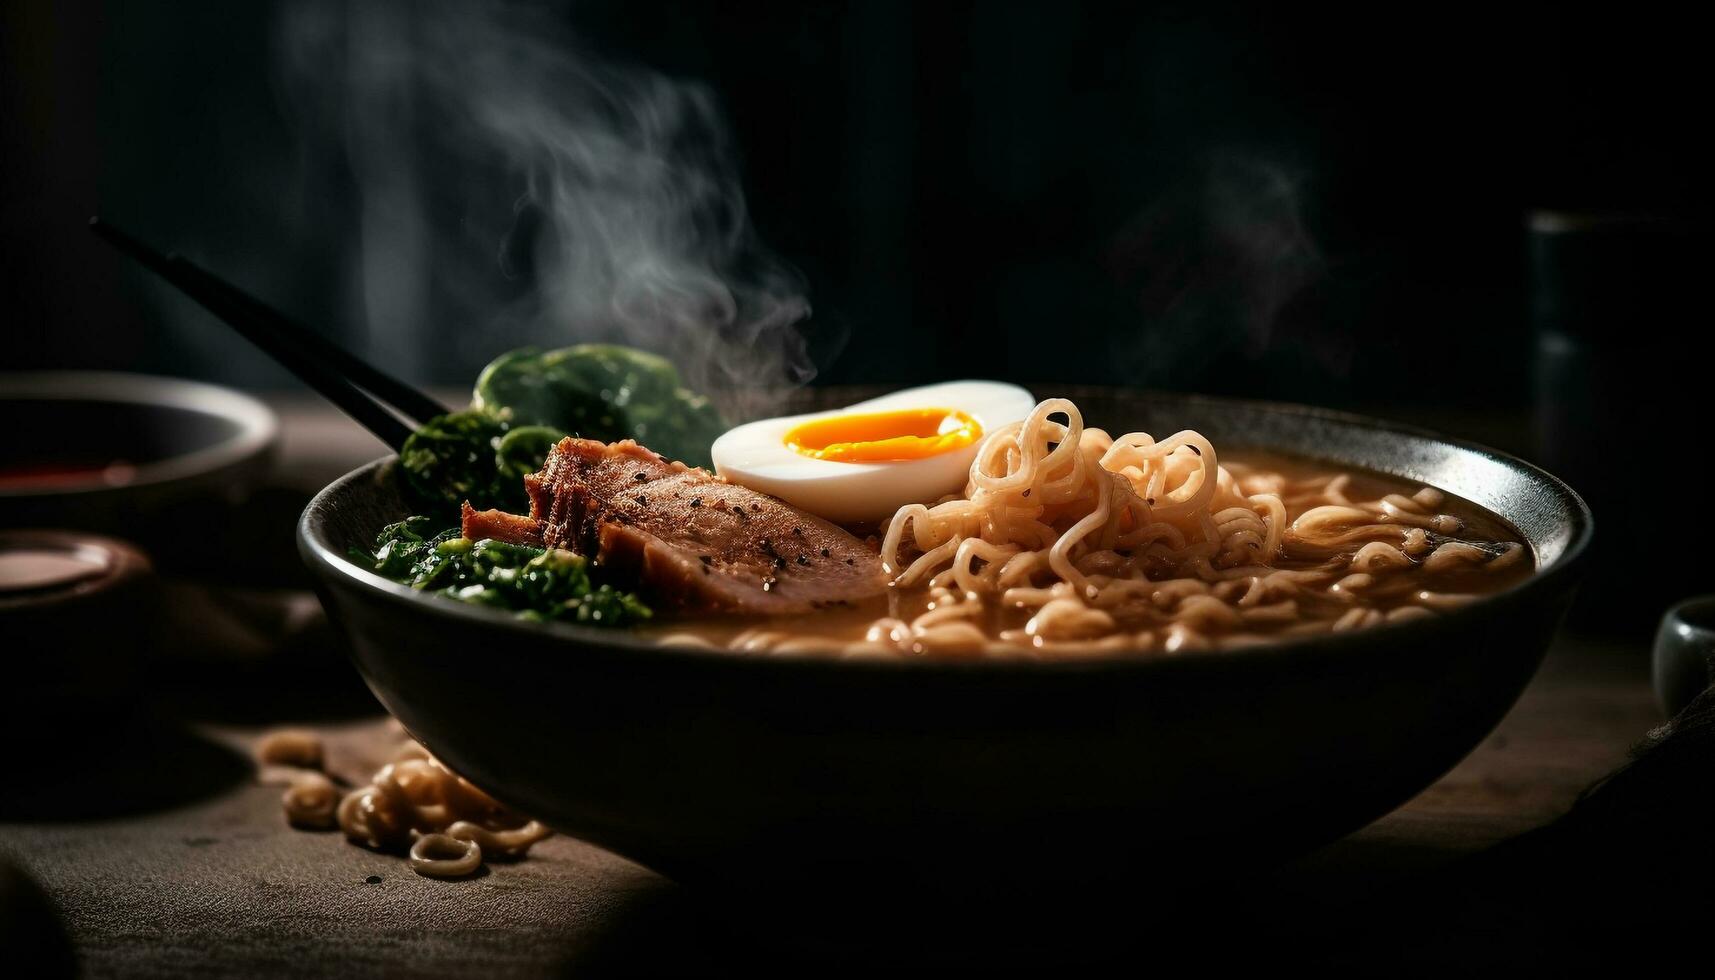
{"points": [[688, 539], [500, 526]]}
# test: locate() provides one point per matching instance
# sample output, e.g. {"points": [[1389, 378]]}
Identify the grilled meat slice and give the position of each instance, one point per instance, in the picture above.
{"points": [[499, 525], [691, 539]]}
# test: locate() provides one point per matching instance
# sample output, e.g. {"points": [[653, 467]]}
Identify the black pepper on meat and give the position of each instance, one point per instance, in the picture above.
{"points": [[655, 543]]}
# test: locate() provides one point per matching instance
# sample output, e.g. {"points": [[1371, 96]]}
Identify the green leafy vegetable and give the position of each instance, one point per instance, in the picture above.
{"points": [[536, 583], [521, 451], [459, 457], [527, 400], [602, 391]]}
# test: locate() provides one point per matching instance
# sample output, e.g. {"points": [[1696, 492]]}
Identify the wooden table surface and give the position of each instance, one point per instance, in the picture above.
{"points": [[211, 881]]}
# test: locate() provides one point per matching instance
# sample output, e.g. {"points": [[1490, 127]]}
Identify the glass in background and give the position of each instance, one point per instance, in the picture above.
{"points": [[1623, 390]]}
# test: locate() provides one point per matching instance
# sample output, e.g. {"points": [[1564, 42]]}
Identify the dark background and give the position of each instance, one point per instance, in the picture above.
{"points": [[1023, 191], [1323, 206]]}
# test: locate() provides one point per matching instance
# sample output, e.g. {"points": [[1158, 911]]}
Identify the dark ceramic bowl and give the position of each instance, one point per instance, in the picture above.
{"points": [[120, 453], [806, 777]]}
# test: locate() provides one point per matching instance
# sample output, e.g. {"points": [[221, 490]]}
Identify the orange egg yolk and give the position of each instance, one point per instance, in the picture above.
{"points": [[913, 433]]}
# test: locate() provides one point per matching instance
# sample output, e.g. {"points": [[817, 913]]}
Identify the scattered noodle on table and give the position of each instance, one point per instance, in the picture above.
{"points": [[413, 805]]}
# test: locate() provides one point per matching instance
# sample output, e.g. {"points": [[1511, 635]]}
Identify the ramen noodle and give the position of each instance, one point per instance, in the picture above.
{"points": [[413, 805], [290, 747], [1067, 540]]}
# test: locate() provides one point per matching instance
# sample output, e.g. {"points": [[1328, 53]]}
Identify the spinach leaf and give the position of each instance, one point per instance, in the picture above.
{"points": [[473, 455], [535, 583], [602, 391], [456, 457], [527, 400], [521, 451], [398, 547]]}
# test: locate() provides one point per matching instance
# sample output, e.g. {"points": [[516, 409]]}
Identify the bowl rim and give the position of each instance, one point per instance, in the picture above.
{"points": [[258, 427], [1561, 571]]}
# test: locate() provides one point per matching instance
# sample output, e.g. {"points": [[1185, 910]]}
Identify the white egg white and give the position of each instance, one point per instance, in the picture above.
{"points": [[755, 455]]}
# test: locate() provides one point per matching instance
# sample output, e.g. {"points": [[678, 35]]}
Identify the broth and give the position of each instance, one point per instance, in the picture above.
{"points": [[1326, 596]]}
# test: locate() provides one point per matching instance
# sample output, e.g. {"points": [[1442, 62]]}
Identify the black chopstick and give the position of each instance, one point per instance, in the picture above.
{"points": [[375, 399]]}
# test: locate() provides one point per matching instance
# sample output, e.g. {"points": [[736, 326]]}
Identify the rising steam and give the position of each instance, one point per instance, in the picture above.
{"points": [[513, 187], [1210, 265]]}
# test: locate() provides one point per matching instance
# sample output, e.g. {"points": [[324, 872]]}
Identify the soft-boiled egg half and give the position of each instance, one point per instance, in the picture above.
{"points": [[865, 461]]}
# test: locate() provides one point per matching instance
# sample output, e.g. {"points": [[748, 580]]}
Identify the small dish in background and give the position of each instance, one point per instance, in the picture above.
{"points": [[84, 443], [1684, 656], [76, 610], [139, 457]]}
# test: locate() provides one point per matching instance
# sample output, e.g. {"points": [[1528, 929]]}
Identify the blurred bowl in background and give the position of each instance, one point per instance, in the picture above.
{"points": [[76, 610], [127, 454]]}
